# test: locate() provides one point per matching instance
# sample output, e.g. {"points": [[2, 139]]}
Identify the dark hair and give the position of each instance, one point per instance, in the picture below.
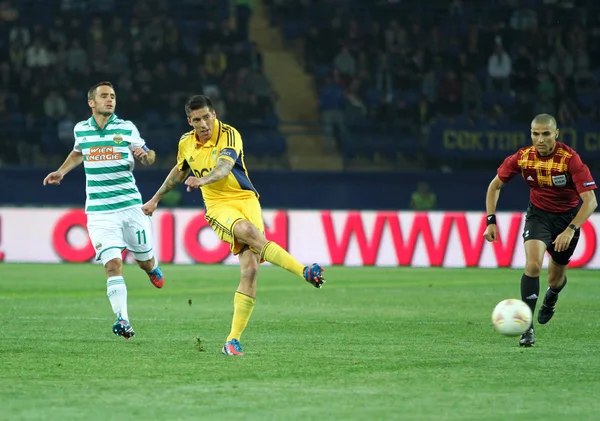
{"points": [[92, 90], [196, 102]]}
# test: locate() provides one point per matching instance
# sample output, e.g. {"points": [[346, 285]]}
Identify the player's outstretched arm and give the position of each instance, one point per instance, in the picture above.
{"points": [[73, 160], [491, 201], [219, 172], [175, 177]]}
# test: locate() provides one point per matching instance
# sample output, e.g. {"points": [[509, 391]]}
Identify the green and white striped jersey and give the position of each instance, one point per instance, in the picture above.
{"points": [[108, 163]]}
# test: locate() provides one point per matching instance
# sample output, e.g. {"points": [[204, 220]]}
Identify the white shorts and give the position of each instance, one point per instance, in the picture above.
{"points": [[111, 233]]}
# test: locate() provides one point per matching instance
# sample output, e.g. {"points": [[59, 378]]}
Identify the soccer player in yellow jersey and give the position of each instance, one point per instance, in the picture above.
{"points": [[213, 152]]}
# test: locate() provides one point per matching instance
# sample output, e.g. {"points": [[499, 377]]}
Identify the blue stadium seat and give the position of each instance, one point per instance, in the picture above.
{"points": [[506, 100], [277, 144], [372, 98], [587, 100]]}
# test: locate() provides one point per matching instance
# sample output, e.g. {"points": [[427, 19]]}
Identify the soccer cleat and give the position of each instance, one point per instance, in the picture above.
{"points": [[232, 348], [123, 328], [547, 308], [527, 338], [314, 275], [157, 278]]}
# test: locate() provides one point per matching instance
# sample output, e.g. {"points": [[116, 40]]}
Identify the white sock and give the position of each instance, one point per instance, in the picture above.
{"points": [[117, 294]]}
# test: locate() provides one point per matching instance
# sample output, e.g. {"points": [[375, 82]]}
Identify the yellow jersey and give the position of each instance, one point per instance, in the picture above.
{"points": [[225, 143]]}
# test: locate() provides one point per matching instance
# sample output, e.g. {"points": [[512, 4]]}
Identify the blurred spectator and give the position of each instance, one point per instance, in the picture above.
{"points": [[429, 88], [471, 94], [522, 110], [523, 19], [65, 131], [37, 55], [20, 34], [355, 109], [118, 59], [172, 199], [449, 96], [423, 198], [331, 104], [55, 105], [215, 63], [522, 70], [567, 111], [561, 63], [384, 75], [499, 69], [544, 104], [243, 13], [76, 57], [545, 86], [345, 63]]}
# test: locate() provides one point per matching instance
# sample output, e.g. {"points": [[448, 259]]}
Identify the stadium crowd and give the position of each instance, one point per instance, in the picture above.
{"points": [[390, 65], [156, 53], [381, 67]]}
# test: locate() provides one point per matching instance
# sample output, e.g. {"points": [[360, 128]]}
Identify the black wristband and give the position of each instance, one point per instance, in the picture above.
{"points": [[491, 219]]}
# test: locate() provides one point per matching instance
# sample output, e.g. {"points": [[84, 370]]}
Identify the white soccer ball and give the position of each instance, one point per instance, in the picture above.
{"points": [[511, 317]]}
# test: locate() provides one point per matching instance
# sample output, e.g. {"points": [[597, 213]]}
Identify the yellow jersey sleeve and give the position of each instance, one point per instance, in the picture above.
{"points": [[182, 164], [230, 146]]}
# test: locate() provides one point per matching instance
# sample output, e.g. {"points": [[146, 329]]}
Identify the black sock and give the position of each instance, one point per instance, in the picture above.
{"points": [[553, 291], [530, 290]]}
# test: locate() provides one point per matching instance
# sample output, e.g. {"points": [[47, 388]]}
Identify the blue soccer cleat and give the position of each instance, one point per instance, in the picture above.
{"points": [[314, 275], [232, 348], [123, 328], [157, 278]]}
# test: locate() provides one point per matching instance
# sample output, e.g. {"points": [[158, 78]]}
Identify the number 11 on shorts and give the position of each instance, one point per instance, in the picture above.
{"points": [[141, 235]]}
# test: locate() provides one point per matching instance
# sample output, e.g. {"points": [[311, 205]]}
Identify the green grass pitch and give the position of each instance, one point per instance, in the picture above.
{"points": [[373, 344]]}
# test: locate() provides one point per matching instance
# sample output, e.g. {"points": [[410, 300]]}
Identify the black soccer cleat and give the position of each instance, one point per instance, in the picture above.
{"points": [[527, 339], [548, 308]]}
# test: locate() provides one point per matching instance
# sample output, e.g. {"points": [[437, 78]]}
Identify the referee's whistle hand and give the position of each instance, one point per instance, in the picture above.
{"points": [[562, 242], [491, 233]]}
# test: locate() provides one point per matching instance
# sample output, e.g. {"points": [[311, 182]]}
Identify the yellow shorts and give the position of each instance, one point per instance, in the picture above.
{"points": [[223, 217]]}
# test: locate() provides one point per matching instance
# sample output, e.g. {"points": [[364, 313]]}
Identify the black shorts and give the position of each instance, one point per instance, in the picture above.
{"points": [[546, 226]]}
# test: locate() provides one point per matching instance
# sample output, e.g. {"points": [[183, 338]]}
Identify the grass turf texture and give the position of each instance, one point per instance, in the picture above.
{"points": [[373, 344]]}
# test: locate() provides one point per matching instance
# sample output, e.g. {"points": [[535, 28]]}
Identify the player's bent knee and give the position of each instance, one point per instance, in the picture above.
{"points": [[533, 268], [247, 232]]}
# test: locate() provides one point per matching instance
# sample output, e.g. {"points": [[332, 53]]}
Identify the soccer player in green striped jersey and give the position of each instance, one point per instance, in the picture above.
{"points": [[107, 146]]}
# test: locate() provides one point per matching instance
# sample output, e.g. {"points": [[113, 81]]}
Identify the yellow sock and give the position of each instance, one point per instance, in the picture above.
{"points": [[274, 253], [242, 310]]}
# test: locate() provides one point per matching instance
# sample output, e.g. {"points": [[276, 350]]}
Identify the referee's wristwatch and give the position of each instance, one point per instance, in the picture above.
{"points": [[573, 227]]}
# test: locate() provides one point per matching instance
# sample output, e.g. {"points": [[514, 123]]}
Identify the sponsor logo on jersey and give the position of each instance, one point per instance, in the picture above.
{"points": [[103, 153]]}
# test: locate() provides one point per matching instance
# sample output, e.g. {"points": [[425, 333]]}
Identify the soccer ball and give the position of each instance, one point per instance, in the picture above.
{"points": [[511, 317]]}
